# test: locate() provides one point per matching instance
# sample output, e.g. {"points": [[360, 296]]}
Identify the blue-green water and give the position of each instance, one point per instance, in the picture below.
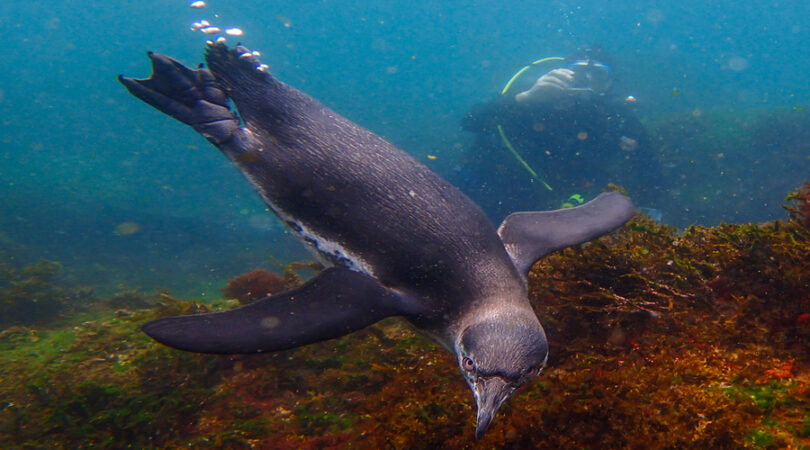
{"points": [[80, 156]]}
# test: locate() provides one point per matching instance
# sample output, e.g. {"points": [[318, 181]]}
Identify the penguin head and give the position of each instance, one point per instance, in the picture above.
{"points": [[496, 356]]}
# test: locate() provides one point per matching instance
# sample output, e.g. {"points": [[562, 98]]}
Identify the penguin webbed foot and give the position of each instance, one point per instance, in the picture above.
{"points": [[528, 236], [191, 96], [334, 303]]}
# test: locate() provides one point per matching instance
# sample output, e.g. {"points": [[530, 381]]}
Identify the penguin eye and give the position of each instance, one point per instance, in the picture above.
{"points": [[468, 364], [535, 371]]}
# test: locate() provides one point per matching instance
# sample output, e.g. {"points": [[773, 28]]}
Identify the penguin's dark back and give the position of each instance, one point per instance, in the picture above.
{"points": [[356, 188]]}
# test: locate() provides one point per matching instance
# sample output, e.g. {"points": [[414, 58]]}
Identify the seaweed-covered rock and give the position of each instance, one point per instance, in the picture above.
{"points": [[35, 293]]}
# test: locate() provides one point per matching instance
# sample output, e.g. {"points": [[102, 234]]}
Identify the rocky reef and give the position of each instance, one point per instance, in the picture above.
{"points": [[659, 338]]}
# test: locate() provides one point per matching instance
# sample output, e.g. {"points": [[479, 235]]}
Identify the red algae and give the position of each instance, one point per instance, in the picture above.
{"points": [[260, 283], [254, 285]]}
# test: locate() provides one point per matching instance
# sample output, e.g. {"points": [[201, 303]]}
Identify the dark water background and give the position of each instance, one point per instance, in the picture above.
{"points": [[80, 156]]}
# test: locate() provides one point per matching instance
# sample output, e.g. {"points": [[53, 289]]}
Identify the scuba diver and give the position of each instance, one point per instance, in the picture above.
{"points": [[559, 143]]}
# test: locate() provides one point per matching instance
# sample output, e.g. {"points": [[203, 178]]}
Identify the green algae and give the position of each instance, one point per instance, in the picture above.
{"points": [[95, 383], [658, 338]]}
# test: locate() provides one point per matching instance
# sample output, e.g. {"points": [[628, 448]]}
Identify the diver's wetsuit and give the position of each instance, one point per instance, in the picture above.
{"points": [[576, 148]]}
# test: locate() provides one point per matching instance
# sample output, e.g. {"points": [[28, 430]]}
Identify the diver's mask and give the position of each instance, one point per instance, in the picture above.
{"points": [[590, 76]]}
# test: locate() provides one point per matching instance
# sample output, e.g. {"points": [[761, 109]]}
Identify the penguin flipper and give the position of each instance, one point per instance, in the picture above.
{"points": [[528, 236], [334, 303]]}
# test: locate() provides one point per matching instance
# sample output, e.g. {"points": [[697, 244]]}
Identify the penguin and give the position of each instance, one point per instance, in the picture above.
{"points": [[397, 239]]}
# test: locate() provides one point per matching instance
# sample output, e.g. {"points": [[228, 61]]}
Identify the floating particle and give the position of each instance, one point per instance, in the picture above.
{"points": [[284, 21], [197, 4], [630, 99], [270, 322], [737, 63], [126, 229], [628, 144], [234, 32], [431, 157], [210, 30]]}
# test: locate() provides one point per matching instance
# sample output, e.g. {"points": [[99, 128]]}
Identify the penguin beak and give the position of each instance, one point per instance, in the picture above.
{"points": [[490, 393]]}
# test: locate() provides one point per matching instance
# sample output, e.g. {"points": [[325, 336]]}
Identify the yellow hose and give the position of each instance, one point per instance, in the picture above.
{"points": [[521, 71], [505, 140], [520, 159]]}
